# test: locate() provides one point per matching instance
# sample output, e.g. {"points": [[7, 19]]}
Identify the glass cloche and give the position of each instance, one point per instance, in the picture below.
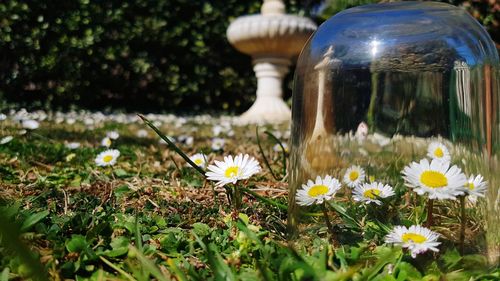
{"points": [[395, 121]]}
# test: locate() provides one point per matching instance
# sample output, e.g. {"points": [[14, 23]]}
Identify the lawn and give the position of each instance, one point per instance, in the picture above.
{"points": [[152, 216]]}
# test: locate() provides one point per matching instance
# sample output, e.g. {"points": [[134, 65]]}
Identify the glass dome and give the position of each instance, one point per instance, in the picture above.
{"points": [[378, 87]]}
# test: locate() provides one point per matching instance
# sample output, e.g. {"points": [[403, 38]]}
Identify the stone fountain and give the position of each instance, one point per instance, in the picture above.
{"points": [[273, 39]]}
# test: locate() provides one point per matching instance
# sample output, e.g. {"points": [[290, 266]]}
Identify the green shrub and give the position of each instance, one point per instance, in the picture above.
{"points": [[135, 55]]}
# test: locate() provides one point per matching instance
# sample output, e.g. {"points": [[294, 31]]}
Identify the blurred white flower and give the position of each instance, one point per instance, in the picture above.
{"points": [[379, 139], [218, 144], [277, 147], [361, 131], [106, 142], [30, 124], [189, 141], [6, 139], [113, 135], [216, 130], [3, 117], [141, 133], [88, 121], [72, 145]]}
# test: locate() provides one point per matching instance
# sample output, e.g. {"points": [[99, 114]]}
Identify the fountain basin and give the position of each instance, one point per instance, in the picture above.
{"points": [[264, 35]]}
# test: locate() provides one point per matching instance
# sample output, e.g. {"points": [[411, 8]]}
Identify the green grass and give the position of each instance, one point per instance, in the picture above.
{"points": [[152, 217]]}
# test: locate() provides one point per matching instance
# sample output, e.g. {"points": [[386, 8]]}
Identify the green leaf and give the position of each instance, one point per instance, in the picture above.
{"points": [[77, 244], [451, 258], [5, 274], [33, 219], [201, 229], [407, 272], [120, 247], [120, 173]]}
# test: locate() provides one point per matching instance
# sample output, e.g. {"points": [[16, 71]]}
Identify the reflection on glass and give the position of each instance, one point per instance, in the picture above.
{"points": [[376, 85]]}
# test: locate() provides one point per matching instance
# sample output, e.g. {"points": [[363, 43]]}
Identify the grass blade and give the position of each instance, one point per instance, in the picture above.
{"points": [[264, 199], [118, 269], [283, 150], [172, 145], [148, 265], [264, 155]]}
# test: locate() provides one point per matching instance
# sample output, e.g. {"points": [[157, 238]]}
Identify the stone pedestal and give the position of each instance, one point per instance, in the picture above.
{"points": [[272, 38], [269, 106]]}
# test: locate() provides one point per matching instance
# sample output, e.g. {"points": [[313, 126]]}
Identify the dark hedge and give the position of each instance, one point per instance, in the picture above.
{"points": [[144, 55], [164, 55]]}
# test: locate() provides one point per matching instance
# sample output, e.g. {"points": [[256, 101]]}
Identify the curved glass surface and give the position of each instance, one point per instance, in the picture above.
{"points": [[374, 87]]}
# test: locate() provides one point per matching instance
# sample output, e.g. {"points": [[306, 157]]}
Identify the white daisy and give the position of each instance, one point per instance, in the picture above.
{"points": [[106, 142], [371, 192], [437, 150], [199, 159], [231, 170], [107, 158], [437, 179], [218, 144], [476, 186], [113, 135], [323, 189], [354, 176], [30, 124], [417, 239], [6, 139]]}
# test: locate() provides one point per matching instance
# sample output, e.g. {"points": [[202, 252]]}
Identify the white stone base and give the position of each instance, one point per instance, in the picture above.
{"points": [[269, 106], [266, 110]]}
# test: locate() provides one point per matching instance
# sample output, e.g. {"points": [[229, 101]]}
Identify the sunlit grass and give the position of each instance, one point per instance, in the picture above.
{"points": [[151, 215]]}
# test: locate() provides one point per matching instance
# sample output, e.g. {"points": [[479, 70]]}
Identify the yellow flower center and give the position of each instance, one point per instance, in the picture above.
{"points": [[317, 190], [231, 172], [413, 237], [107, 158], [433, 179], [371, 193], [438, 152], [199, 161], [354, 175], [471, 186]]}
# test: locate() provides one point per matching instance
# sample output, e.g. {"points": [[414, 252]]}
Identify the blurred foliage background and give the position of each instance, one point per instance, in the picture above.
{"points": [[143, 55]]}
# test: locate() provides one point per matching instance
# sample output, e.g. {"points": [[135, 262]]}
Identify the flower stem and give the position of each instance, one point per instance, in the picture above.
{"points": [[236, 198], [327, 220], [430, 209], [462, 224]]}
